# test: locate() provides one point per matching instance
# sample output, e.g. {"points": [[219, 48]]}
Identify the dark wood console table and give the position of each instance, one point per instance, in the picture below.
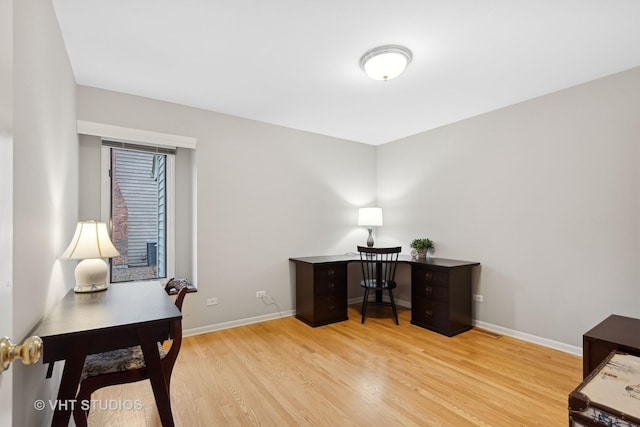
{"points": [[440, 291], [614, 333], [125, 315]]}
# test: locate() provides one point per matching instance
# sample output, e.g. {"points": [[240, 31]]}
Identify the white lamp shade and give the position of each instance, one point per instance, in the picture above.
{"points": [[91, 240], [370, 217]]}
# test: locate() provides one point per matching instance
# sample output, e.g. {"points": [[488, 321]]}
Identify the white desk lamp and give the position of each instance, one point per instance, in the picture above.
{"points": [[370, 217], [91, 243]]}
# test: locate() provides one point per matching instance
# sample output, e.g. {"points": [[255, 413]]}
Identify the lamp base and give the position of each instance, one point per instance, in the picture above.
{"points": [[91, 276], [370, 238]]}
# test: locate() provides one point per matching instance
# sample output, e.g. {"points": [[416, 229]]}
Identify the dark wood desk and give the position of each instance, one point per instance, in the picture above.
{"points": [[613, 333], [440, 291], [125, 315]]}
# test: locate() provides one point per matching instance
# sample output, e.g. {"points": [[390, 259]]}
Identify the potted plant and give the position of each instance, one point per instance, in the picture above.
{"points": [[422, 246]]}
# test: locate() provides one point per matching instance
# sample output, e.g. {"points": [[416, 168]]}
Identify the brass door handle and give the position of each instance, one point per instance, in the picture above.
{"points": [[29, 351]]}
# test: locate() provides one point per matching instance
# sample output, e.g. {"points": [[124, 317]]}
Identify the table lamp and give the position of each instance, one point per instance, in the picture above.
{"points": [[91, 243], [370, 217]]}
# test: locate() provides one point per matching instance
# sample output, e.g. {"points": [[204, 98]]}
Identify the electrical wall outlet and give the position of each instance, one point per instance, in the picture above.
{"points": [[260, 294], [212, 301], [478, 298]]}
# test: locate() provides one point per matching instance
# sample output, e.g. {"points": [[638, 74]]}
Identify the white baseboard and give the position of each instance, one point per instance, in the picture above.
{"points": [[403, 303], [556, 345], [235, 323]]}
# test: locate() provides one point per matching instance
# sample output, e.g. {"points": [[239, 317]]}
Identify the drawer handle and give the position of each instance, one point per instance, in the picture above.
{"points": [[428, 276], [331, 308], [331, 285], [428, 290], [428, 313], [331, 273]]}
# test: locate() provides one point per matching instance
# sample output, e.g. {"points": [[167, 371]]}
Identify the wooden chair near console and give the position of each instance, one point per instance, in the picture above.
{"points": [[125, 366], [378, 274]]}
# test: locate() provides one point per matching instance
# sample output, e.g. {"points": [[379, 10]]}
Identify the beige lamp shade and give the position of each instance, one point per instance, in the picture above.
{"points": [[91, 240]]}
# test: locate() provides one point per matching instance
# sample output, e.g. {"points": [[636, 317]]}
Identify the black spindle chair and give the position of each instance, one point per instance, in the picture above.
{"points": [[378, 274]]}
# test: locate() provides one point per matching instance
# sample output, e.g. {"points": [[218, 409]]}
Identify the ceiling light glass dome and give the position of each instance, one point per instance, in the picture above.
{"points": [[385, 62]]}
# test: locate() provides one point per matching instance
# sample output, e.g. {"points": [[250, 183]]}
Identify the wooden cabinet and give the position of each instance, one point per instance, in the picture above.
{"points": [[321, 292], [614, 333], [441, 297]]}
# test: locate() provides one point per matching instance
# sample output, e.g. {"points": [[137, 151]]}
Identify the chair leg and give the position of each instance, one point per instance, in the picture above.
{"points": [[393, 306], [79, 415], [364, 300], [364, 304]]}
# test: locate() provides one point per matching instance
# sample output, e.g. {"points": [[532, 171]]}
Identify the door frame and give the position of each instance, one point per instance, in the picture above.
{"points": [[6, 200]]}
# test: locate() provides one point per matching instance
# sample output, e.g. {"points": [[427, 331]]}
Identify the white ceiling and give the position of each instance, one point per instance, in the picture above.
{"points": [[295, 62]]}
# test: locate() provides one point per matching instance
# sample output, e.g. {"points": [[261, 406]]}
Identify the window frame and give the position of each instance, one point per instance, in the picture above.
{"points": [[106, 197]]}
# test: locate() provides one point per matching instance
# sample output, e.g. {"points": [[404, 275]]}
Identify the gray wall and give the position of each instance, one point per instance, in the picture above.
{"points": [[263, 193], [545, 194], [45, 188]]}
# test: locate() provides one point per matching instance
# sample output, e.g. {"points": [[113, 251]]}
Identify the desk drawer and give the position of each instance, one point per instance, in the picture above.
{"points": [[330, 280], [429, 291], [430, 313], [428, 276], [329, 309]]}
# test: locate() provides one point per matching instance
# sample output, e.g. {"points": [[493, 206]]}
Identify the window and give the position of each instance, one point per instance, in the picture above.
{"points": [[138, 194]]}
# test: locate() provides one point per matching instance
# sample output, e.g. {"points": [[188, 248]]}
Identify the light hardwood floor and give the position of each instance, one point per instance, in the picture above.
{"points": [[285, 373]]}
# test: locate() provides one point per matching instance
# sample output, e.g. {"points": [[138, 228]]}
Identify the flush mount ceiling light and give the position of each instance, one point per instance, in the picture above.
{"points": [[385, 62]]}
